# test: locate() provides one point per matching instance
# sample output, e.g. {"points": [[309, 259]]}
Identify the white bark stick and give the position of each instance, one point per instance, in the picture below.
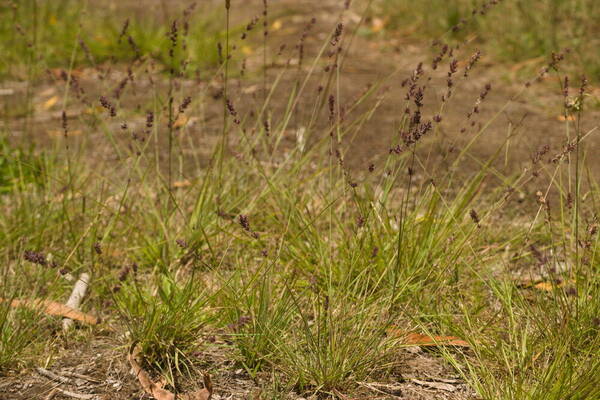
{"points": [[76, 297]]}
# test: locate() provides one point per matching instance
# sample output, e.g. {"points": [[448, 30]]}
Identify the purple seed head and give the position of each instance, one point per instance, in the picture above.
{"points": [[36, 257]]}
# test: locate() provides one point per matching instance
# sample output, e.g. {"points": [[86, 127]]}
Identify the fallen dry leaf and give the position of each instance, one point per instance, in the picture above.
{"points": [[48, 104], [53, 308], [277, 24], [377, 25], [155, 389], [181, 184], [417, 339], [549, 286], [61, 133], [546, 286], [181, 121], [567, 118], [247, 50]]}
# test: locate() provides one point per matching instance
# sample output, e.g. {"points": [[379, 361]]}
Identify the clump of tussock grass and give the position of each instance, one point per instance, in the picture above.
{"points": [[165, 322]]}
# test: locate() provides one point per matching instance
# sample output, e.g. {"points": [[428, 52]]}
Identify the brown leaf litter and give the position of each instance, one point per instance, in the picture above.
{"points": [[156, 389]]}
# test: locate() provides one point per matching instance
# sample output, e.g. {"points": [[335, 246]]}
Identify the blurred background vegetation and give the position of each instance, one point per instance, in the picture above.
{"points": [[512, 31], [38, 35]]}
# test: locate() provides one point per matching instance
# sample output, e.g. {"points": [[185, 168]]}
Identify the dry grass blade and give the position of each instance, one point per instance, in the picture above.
{"points": [[155, 389], [53, 308]]}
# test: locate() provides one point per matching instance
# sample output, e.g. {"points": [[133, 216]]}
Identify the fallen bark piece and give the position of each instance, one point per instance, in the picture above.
{"points": [[435, 385], [52, 376], [155, 389], [53, 308], [418, 339], [76, 297]]}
